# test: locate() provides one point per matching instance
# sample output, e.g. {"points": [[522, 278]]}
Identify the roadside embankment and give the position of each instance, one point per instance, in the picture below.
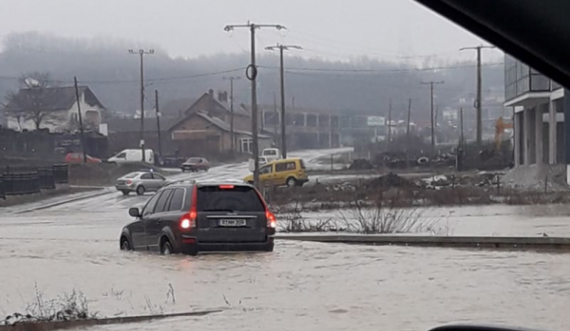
{"points": [[518, 243]]}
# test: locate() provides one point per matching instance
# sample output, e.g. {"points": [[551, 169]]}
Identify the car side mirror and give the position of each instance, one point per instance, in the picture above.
{"points": [[135, 212]]}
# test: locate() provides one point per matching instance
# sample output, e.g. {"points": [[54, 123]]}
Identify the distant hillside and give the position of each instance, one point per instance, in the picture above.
{"points": [[112, 73]]}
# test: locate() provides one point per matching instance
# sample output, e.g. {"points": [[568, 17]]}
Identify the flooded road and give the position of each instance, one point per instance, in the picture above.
{"points": [[300, 286]]}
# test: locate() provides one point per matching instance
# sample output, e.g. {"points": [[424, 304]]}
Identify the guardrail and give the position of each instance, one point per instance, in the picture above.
{"points": [[21, 181]]}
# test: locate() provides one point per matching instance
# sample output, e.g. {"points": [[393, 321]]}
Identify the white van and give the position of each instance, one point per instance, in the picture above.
{"points": [[133, 155], [271, 154]]}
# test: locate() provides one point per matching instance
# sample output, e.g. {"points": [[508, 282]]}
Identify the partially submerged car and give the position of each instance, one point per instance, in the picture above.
{"points": [[189, 217]]}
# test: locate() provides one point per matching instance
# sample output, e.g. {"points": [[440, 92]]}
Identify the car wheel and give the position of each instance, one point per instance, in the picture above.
{"points": [[291, 182], [140, 190], [166, 248], [125, 244], [206, 169], [183, 170], [125, 192], [269, 247]]}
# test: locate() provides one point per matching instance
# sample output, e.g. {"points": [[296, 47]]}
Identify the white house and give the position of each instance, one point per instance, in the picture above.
{"points": [[56, 106]]}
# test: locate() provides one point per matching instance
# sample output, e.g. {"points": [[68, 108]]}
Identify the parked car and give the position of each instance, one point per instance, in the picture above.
{"points": [[289, 172], [190, 217], [78, 158], [133, 156], [195, 164], [141, 182]]}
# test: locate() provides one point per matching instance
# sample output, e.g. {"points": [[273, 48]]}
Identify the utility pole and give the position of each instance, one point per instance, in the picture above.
{"points": [[461, 136], [79, 116], [275, 113], [142, 53], [158, 122], [409, 117], [283, 122], [251, 74], [389, 121], [431, 84], [479, 100], [408, 132], [231, 79]]}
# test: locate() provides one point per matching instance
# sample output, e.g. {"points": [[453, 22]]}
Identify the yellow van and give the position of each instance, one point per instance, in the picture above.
{"points": [[289, 172]]}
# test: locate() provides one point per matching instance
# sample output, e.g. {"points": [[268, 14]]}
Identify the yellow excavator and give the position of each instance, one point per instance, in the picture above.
{"points": [[500, 127]]}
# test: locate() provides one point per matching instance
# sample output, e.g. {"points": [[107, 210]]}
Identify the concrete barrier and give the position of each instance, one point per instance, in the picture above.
{"points": [[529, 243]]}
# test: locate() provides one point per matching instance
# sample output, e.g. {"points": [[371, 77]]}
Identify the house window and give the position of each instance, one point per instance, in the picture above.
{"points": [[246, 145]]}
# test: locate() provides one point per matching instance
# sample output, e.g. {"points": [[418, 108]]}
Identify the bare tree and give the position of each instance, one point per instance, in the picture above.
{"points": [[35, 100]]}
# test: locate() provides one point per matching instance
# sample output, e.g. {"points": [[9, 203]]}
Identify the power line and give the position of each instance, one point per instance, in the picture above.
{"points": [[162, 79], [387, 70], [355, 80]]}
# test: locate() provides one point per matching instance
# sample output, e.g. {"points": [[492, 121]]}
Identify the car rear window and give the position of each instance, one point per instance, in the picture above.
{"points": [[193, 160], [302, 164], [131, 175], [234, 199]]}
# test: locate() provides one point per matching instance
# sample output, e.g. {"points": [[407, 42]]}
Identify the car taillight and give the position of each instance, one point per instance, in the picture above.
{"points": [[271, 221], [188, 220], [226, 187], [129, 182]]}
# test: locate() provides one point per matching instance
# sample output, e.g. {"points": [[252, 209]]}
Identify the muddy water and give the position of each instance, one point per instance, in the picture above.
{"points": [[301, 286]]}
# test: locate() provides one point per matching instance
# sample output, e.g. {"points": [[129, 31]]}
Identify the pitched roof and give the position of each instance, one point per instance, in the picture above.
{"points": [[55, 98], [215, 104]]}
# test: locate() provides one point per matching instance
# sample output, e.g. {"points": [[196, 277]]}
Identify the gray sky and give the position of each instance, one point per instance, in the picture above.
{"points": [[332, 29]]}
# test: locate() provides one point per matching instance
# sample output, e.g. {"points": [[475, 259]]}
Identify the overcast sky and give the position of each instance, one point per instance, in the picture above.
{"points": [[332, 29]]}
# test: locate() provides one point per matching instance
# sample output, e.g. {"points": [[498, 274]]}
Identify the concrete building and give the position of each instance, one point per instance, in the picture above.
{"points": [[538, 115]]}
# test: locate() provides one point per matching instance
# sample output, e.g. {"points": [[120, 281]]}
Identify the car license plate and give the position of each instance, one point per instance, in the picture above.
{"points": [[232, 222]]}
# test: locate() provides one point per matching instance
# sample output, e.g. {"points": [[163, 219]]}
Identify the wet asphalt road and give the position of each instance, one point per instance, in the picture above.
{"points": [[301, 286]]}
